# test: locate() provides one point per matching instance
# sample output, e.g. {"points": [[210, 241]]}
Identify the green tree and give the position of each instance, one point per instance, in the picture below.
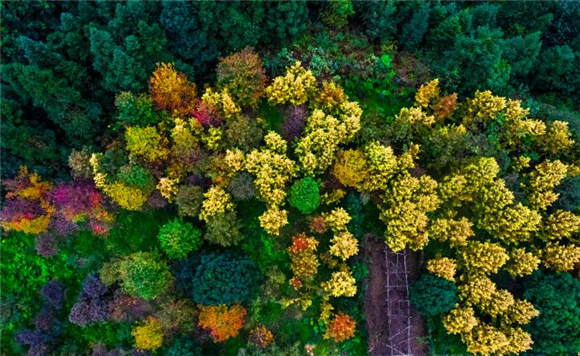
{"points": [[178, 239], [414, 30], [556, 331], [187, 38], [213, 278], [285, 20], [305, 195], [144, 275], [223, 229], [433, 295]]}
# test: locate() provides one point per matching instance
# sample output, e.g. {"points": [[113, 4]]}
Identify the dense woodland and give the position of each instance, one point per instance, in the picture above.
{"points": [[203, 178]]}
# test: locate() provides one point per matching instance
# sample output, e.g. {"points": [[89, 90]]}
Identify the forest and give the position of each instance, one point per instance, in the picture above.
{"points": [[289, 178]]}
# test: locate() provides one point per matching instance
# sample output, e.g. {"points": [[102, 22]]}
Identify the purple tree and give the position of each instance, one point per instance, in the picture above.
{"points": [[294, 122], [93, 306], [54, 293], [46, 244]]}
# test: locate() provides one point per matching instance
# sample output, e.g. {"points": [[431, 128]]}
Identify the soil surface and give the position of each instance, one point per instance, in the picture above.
{"points": [[376, 303]]}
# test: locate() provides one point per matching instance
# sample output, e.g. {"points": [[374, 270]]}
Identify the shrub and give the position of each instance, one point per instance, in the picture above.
{"points": [[433, 295], [305, 195], [179, 238]]}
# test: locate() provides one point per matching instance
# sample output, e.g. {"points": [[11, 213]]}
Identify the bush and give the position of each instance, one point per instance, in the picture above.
{"points": [[179, 238], [213, 278], [433, 295], [305, 195]]}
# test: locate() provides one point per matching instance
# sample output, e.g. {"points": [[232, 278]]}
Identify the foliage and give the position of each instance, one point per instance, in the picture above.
{"points": [[217, 201], [561, 257], [145, 142], [344, 245], [442, 267], [477, 168], [148, 336], [188, 200], [184, 346], [409, 199], [433, 295], [261, 337], [170, 90], [341, 283], [341, 327], [305, 195], [224, 230], [522, 263], [485, 258], [224, 322], [217, 278], [351, 169], [460, 320], [324, 133], [335, 13], [92, 305], [294, 122], [28, 208], [144, 275], [178, 239], [304, 260], [242, 73], [556, 298], [296, 87]]}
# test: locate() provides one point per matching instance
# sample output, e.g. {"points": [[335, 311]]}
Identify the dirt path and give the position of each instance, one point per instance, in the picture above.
{"points": [[402, 331], [376, 298]]}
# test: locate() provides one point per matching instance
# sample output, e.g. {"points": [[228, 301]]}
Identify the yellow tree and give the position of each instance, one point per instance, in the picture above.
{"points": [[522, 263], [344, 245], [406, 204], [460, 320], [483, 257], [217, 201], [148, 336], [341, 283], [295, 87], [560, 258], [443, 267], [543, 180]]}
